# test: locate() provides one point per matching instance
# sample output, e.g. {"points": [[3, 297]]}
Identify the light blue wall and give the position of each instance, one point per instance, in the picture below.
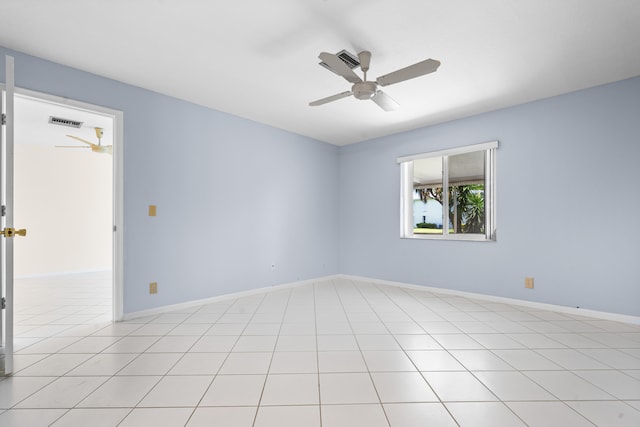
{"points": [[233, 196], [568, 204]]}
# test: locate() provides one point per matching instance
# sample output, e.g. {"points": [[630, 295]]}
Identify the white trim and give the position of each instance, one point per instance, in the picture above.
{"points": [[7, 194], [462, 237], [118, 216], [72, 103], [241, 294], [615, 317], [60, 273], [406, 194], [490, 195], [450, 151], [445, 199]]}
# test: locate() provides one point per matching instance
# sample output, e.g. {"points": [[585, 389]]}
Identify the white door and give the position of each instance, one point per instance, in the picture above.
{"points": [[6, 222]]}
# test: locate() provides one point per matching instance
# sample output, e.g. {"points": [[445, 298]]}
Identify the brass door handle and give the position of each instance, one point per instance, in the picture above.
{"points": [[10, 232]]}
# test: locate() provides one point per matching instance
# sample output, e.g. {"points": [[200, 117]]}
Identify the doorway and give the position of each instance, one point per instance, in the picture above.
{"points": [[67, 196]]}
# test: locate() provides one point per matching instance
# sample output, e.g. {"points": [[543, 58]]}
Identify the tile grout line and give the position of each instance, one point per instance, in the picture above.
{"points": [[266, 377], [445, 349], [574, 327], [384, 411], [519, 371], [317, 352]]}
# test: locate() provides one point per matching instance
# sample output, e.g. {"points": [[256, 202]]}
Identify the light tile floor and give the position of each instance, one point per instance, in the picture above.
{"points": [[332, 354]]}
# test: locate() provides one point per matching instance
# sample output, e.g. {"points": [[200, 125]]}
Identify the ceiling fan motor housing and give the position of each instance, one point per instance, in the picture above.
{"points": [[364, 90]]}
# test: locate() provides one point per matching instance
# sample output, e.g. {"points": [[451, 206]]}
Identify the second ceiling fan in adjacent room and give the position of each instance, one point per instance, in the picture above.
{"points": [[96, 148]]}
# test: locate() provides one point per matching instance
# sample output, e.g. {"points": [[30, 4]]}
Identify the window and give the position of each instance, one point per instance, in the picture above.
{"points": [[449, 194]]}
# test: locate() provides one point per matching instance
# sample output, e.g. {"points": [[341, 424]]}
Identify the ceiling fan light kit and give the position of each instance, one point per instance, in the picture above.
{"points": [[363, 89]]}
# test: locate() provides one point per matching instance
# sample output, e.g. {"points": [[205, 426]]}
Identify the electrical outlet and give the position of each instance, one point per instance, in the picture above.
{"points": [[153, 287], [528, 282]]}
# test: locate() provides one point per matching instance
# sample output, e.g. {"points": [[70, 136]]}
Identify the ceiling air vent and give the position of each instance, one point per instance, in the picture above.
{"points": [[347, 57], [65, 122]]}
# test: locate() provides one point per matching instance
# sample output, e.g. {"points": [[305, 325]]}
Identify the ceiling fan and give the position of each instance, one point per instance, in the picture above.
{"points": [[364, 89], [96, 148]]}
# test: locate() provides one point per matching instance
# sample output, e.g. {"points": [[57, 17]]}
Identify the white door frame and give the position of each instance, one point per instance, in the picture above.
{"points": [[118, 185], [6, 245]]}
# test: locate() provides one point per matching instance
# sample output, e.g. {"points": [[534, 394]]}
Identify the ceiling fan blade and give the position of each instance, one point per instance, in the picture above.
{"points": [[416, 70], [70, 146], [330, 98], [80, 139], [339, 67], [384, 101]]}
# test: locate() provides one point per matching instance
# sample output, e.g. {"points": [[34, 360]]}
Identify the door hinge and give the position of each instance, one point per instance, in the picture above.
{"points": [[4, 303], [4, 119], [3, 211]]}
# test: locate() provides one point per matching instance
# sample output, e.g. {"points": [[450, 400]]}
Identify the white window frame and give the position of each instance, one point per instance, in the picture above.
{"points": [[406, 193]]}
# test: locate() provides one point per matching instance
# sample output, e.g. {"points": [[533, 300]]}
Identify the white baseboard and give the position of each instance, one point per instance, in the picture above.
{"points": [[194, 303], [60, 273], [537, 305]]}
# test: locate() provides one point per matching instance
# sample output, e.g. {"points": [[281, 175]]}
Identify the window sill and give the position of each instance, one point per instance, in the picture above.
{"points": [[451, 237]]}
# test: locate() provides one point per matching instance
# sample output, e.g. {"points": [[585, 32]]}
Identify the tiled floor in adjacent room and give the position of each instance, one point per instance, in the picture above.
{"points": [[331, 354]]}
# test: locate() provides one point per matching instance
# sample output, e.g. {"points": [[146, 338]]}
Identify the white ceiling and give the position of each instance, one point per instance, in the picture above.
{"points": [[32, 125], [258, 59]]}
